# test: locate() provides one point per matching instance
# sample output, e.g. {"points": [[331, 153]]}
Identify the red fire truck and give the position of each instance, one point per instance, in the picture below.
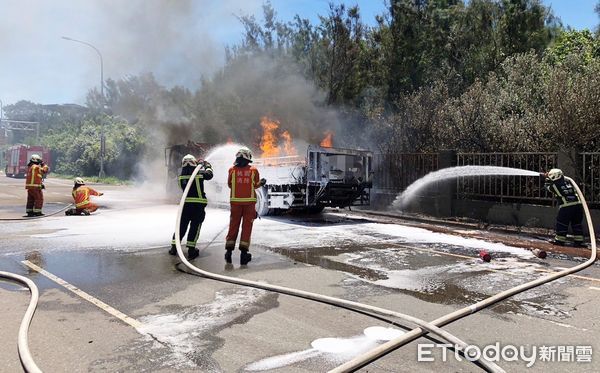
{"points": [[18, 156]]}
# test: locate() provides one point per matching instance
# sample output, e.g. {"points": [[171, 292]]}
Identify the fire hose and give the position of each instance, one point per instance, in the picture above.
{"points": [[488, 365], [39, 217], [382, 350], [23, 343]]}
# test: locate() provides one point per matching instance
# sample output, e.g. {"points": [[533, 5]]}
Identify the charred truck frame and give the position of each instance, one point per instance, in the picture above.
{"points": [[327, 177]]}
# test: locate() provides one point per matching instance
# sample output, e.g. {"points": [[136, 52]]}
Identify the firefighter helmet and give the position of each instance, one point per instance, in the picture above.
{"points": [[189, 160], [555, 174], [36, 158], [79, 181], [244, 153]]}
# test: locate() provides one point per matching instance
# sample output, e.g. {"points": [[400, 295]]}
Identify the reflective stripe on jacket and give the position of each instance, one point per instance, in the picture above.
{"points": [[196, 193], [563, 190], [35, 175], [243, 181], [81, 195]]}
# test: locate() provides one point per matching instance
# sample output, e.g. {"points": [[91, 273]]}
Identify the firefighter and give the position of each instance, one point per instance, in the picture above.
{"points": [[243, 179], [570, 209], [195, 203], [36, 172], [81, 195]]}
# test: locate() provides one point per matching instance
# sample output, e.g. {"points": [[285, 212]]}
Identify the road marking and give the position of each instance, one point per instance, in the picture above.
{"points": [[112, 311]]}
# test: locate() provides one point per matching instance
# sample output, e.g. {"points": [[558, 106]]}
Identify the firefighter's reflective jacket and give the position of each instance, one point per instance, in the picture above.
{"points": [[35, 176], [196, 193], [243, 181], [563, 190], [81, 195]]}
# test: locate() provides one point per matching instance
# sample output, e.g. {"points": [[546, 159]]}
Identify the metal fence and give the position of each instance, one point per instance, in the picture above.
{"points": [[511, 188], [590, 167], [395, 172]]}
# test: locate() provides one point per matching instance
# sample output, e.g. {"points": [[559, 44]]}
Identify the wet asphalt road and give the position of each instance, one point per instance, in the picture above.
{"points": [[189, 323]]}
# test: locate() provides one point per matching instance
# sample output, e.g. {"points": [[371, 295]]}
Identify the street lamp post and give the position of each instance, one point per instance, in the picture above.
{"points": [[102, 141]]}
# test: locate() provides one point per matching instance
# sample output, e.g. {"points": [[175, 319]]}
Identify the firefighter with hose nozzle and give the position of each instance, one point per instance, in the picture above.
{"points": [[243, 180], [195, 202], [570, 209], [81, 195], [36, 172]]}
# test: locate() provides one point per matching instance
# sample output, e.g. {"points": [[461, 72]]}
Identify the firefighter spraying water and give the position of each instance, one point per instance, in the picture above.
{"points": [[243, 180], [195, 203], [81, 195]]}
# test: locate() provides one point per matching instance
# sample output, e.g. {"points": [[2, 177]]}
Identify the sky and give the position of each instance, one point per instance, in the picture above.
{"points": [[179, 41]]}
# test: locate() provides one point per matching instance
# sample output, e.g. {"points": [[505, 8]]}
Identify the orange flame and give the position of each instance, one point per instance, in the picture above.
{"points": [[229, 141], [327, 142], [288, 145], [268, 142]]}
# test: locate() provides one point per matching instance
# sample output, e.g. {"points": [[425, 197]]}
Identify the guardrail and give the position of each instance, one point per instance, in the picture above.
{"points": [[394, 172], [526, 189], [590, 172]]}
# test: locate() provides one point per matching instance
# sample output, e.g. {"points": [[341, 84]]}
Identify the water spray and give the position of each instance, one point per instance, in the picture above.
{"points": [[364, 308], [386, 348]]}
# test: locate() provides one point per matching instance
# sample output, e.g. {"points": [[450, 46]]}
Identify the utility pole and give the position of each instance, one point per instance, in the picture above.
{"points": [[102, 103]]}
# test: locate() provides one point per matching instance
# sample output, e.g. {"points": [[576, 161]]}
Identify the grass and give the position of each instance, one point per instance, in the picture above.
{"points": [[111, 180]]}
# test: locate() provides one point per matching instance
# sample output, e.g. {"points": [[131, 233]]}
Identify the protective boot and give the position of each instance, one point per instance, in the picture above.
{"points": [[228, 256], [193, 253], [173, 250], [245, 257], [38, 214]]}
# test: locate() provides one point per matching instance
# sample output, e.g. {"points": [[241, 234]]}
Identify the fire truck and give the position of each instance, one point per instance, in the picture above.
{"points": [[17, 157]]}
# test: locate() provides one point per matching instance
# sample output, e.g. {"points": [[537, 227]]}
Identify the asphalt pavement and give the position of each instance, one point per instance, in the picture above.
{"points": [[112, 299]]}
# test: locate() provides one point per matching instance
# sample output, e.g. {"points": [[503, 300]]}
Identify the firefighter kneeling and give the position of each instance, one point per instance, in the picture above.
{"points": [[81, 195], [243, 179]]}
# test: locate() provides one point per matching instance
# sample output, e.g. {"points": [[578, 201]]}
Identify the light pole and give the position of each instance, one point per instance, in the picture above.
{"points": [[102, 141]]}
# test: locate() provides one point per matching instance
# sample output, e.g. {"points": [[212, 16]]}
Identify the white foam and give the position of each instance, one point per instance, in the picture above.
{"points": [[379, 333]]}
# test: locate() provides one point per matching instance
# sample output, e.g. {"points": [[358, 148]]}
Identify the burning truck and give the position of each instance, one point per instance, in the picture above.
{"points": [[326, 177], [323, 177]]}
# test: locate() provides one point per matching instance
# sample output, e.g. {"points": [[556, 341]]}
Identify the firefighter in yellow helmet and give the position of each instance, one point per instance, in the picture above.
{"points": [[36, 171], [193, 213], [570, 209], [81, 195], [243, 179]]}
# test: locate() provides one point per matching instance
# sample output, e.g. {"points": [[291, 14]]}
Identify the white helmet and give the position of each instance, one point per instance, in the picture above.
{"points": [[244, 153], [79, 181], [189, 160], [36, 158], [555, 174]]}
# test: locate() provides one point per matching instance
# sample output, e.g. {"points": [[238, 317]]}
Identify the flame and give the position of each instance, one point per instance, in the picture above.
{"points": [[268, 142], [229, 141], [327, 142], [288, 145]]}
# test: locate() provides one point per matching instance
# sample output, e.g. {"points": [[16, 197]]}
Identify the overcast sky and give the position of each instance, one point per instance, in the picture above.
{"points": [[178, 40]]}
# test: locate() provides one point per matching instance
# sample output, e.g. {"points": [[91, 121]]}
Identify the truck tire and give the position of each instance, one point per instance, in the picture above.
{"points": [[262, 203]]}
